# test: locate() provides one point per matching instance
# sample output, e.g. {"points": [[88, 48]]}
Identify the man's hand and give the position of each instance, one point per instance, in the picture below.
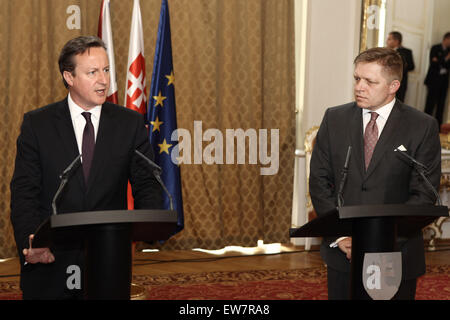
{"points": [[37, 255], [346, 246]]}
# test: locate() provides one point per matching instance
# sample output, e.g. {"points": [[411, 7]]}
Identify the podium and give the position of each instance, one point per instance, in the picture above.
{"points": [[107, 237], [373, 228]]}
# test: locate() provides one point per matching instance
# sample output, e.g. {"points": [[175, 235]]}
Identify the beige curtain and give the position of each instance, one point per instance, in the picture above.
{"points": [[234, 68]]}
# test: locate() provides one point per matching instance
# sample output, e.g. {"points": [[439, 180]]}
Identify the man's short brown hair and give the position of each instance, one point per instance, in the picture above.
{"points": [[73, 47], [389, 59]]}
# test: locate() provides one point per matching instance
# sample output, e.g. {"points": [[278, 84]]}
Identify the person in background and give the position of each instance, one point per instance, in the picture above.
{"points": [[437, 78], [394, 41]]}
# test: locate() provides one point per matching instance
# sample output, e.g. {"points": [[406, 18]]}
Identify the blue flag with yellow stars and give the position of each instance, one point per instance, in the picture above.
{"points": [[162, 114]]}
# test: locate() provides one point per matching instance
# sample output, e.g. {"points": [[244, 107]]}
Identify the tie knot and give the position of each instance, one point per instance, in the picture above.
{"points": [[87, 116], [373, 116]]}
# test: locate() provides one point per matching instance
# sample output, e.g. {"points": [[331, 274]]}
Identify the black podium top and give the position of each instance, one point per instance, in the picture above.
{"points": [[147, 225], [338, 222]]}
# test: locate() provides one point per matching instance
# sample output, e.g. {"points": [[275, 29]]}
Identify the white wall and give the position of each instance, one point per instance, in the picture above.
{"points": [[414, 19], [333, 43]]}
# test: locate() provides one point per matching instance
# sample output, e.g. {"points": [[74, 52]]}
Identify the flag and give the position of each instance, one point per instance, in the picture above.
{"points": [[105, 33], [162, 114], [135, 93]]}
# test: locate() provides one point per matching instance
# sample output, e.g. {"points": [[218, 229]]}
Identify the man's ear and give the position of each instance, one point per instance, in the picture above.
{"points": [[394, 86], [68, 76]]}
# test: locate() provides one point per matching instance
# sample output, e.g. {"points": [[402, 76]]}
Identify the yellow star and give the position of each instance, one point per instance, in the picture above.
{"points": [[164, 147], [156, 124], [171, 78], [159, 99]]}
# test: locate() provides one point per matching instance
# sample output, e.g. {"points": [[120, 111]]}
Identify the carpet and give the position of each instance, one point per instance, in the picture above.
{"points": [[292, 284]]}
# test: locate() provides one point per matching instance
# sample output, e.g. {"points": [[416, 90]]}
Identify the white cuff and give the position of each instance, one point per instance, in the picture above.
{"points": [[335, 244]]}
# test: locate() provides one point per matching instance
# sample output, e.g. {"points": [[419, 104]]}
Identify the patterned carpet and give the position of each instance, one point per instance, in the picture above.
{"points": [[295, 284]]}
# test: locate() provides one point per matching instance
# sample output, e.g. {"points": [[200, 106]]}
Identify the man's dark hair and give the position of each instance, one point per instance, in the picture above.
{"points": [[389, 59], [447, 35], [73, 47], [397, 36]]}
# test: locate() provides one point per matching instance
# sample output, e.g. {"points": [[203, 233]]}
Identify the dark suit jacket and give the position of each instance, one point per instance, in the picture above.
{"points": [[389, 178], [408, 65], [46, 146], [433, 76]]}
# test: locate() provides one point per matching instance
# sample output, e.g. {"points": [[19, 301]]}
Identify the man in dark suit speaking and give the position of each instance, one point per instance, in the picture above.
{"points": [[374, 126], [51, 137]]}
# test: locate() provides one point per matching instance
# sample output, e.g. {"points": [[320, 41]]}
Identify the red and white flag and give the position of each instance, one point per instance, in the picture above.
{"points": [[135, 94], [105, 33], [135, 91]]}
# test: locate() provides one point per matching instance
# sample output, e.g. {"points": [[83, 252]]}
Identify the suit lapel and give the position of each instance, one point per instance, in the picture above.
{"points": [[386, 138], [356, 136], [102, 144], [64, 127]]}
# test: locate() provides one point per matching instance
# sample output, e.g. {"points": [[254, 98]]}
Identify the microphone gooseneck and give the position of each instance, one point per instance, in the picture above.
{"points": [[421, 169], [157, 173], [65, 176], [340, 197]]}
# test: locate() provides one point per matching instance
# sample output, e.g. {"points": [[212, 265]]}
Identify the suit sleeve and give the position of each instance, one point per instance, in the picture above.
{"points": [[428, 153], [26, 186], [437, 53], [147, 191], [410, 61], [321, 178]]}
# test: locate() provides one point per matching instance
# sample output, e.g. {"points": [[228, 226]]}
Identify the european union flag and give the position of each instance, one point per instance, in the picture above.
{"points": [[162, 114]]}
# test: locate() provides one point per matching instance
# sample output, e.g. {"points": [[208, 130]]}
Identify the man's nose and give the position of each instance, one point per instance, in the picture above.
{"points": [[359, 86], [103, 77]]}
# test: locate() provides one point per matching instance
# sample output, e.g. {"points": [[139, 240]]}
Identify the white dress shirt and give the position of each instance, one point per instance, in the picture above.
{"points": [[383, 115], [79, 122]]}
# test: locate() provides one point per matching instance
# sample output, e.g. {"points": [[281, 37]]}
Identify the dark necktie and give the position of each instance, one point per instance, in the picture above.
{"points": [[87, 148], [370, 138]]}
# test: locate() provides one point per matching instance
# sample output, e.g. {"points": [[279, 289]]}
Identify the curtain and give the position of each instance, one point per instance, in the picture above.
{"points": [[234, 68]]}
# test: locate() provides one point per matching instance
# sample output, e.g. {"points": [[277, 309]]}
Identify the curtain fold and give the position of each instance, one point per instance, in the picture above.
{"points": [[234, 68]]}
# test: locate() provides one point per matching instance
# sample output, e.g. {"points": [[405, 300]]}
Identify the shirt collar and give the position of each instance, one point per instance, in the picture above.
{"points": [[76, 110], [384, 111]]}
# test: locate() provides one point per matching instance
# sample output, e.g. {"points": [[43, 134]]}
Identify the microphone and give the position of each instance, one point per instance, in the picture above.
{"points": [[65, 176], [340, 197], [150, 162], [421, 169], [157, 173]]}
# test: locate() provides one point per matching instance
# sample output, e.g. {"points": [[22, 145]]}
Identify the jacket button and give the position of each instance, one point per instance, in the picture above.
{"points": [[364, 188]]}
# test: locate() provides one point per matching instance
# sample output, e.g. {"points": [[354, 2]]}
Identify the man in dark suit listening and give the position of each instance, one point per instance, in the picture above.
{"points": [[374, 126], [437, 78], [51, 137], [394, 41]]}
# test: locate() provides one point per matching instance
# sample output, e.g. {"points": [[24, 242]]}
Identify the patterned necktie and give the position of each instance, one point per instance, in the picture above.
{"points": [[370, 138], [87, 148]]}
